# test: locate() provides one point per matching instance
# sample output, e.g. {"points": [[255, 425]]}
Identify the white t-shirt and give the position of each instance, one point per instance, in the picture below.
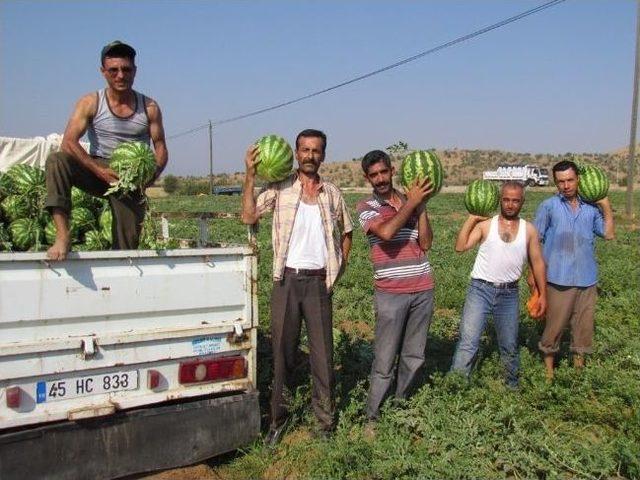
{"points": [[499, 261], [307, 247]]}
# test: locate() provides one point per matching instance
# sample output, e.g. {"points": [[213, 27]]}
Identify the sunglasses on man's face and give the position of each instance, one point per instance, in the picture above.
{"points": [[113, 71]]}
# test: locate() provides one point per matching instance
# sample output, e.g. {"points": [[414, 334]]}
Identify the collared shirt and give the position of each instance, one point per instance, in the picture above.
{"points": [[399, 264], [282, 198], [568, 240]]}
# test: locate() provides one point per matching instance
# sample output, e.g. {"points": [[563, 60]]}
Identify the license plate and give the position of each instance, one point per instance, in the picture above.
{"points": [[84, 386]]}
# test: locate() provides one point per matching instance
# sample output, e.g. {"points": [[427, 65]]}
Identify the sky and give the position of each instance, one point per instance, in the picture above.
{"points": [[554, 82]]}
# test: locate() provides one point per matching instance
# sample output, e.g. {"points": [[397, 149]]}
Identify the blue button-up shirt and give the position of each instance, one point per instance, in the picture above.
{"points": [[568, 240]]}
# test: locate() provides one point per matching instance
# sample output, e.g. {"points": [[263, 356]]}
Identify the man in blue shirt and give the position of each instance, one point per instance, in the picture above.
{"points": [[568, 226]]}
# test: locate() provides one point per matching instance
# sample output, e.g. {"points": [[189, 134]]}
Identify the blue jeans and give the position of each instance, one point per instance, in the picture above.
{"points": [[503, 304]]}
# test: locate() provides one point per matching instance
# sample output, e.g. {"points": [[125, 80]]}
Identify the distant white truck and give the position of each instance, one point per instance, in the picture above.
{"points": [[530, 175]]}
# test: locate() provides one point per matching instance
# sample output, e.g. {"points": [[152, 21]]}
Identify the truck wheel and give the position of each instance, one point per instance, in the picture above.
{"points": [[530, 183]]}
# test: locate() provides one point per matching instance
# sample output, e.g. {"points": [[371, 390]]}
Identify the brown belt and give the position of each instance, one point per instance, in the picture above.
{"points": [[316, 272]]}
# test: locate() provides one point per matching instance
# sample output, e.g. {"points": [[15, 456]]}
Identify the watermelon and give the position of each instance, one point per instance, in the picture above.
{"points": [[421, 164], [93, 240], [593, 184], [26, 233], [276, 158], [80, 198], [25, 178], [482, 198], [135, 165], [104, 221], [50, 232], [5, 239], [81, 220], [15, 207], [5, 186]]}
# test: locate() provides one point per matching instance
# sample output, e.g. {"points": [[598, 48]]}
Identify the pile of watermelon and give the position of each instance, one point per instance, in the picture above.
{"points": [[26, 226]]}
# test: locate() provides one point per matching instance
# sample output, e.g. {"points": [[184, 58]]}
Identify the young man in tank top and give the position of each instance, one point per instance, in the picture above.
{"points": [[110, 116], [311, 235], [399, 235], [507, 242]]}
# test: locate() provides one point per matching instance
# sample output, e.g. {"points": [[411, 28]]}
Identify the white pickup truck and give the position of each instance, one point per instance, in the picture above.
{"points": [[118, 362]]}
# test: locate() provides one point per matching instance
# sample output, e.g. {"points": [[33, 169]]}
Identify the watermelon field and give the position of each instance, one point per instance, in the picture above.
{"points": [[583, 425]]}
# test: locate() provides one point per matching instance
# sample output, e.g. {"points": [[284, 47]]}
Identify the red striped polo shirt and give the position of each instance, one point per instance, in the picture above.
{"points": [[399, 265]]}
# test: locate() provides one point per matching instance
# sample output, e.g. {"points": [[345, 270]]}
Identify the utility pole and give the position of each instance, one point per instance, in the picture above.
{"points": [[210, 158], [634, 120]]}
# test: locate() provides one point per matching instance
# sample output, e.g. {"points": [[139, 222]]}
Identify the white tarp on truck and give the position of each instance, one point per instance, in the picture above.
{"points": [[32, 151]]}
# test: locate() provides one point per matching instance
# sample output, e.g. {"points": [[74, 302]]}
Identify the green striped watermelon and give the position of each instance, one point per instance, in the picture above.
{"points": [[5, 238], [276, 158], [135, 165], [420, 164], [593, 184], [25, 178], [482, 197], [50, 232], [5, 185], [81, 220], [80, 198], [104, 221], [26, 233], [93, 240], [15, 207]]}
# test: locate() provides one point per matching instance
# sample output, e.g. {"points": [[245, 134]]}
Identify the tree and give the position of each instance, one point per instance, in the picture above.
{"points": [[398, 148], [170, 184]]}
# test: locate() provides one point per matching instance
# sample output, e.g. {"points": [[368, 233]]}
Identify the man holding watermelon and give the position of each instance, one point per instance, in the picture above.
{"points": [[507, 242], [311, 243], [568, 224], [111, 116], [399, 234]]}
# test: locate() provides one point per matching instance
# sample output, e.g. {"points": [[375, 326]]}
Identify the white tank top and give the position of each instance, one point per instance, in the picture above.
{"points": [[106, 131], [498, 261], [307, 247]]}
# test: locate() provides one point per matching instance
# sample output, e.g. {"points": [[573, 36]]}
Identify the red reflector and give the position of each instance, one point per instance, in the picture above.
{"points": [[13, 397], [153, 379], [226, 368]]}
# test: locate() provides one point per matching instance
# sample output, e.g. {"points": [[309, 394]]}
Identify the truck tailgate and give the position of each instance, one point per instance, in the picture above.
{"points": [[106, 331]]}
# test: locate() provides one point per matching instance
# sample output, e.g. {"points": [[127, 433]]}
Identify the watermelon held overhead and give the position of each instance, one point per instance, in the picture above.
{"points": [[276, 158], [421, 164], [593, 184], [482, 198]]}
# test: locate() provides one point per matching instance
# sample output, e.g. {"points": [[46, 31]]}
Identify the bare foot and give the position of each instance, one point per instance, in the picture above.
{"points": [[59, 250]]}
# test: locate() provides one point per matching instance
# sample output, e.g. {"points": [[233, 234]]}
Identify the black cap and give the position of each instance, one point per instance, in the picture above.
{"points": [[117, 48]]}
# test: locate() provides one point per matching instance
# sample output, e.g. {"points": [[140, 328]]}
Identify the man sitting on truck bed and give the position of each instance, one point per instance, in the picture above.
{"points": [[311, 243], [111, 116]]}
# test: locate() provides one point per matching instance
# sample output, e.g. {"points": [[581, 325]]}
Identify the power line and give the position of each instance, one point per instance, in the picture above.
{"points": [[451, 43]]}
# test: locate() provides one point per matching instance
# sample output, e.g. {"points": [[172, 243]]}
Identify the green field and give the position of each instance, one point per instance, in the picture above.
{"points": [[584, 425]]}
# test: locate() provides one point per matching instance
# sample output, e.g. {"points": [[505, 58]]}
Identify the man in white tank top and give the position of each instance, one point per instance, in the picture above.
{"points": [[506, 243], [111, 116]]}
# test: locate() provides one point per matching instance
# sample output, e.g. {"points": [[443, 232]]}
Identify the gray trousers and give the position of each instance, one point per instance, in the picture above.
{"points": [[402, 324], [63, 171], [295, 297]]}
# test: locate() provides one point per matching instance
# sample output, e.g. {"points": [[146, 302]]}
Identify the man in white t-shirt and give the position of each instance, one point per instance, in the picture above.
{"points": [[506, 243], [311, 235]]}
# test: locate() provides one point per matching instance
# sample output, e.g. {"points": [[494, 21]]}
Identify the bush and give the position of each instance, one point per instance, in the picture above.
{"points": [[170, 184]]}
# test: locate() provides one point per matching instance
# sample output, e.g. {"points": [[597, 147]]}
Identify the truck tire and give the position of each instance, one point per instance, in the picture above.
{"points": [[530, 182]]}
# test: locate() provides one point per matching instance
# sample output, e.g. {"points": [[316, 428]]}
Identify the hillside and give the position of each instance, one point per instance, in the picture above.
{"points": [[463, 166]]}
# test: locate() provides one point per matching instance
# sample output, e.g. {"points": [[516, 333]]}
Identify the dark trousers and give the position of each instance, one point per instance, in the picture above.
{"points": [[292, 298], [63, 171]]}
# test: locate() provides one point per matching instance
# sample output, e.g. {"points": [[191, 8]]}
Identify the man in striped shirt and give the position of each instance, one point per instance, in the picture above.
{"points": [[568, 226], [399, 234], [311, 235]]}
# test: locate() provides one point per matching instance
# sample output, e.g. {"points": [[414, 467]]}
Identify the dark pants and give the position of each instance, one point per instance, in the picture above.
{"points": [[402, 324], [292, 298], [63, 171]]}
